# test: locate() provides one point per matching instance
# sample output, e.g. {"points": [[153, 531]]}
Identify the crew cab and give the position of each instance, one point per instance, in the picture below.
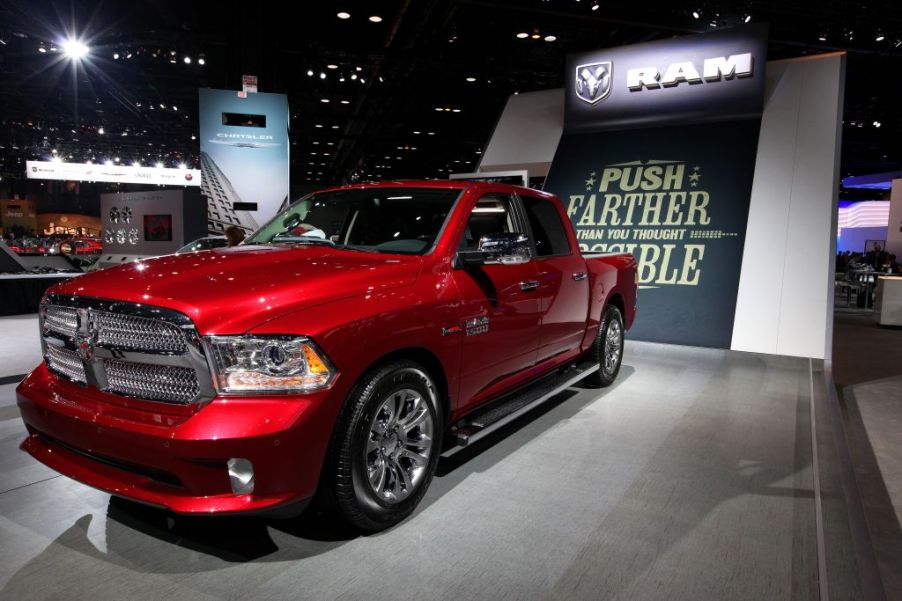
{"points": [[338, 351]]}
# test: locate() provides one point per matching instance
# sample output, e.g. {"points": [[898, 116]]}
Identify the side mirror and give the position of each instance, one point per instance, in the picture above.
{"points": [[504, 248]]}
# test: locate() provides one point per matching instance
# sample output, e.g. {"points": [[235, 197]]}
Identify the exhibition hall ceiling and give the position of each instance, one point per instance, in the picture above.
{"points": [[377, 88]]}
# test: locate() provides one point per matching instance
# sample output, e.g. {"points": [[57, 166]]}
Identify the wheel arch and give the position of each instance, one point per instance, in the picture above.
{"points": [[428, 360]]}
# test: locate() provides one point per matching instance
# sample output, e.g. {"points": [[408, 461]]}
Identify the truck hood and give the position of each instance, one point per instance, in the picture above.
{"points": [[232, 290]]}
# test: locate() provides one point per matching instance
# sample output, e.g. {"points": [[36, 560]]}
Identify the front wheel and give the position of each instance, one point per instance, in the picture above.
{"points": [[386, 447], [607, 349]]}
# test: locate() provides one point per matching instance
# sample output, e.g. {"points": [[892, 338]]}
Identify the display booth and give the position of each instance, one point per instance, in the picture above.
{"points": [[716, 169]]}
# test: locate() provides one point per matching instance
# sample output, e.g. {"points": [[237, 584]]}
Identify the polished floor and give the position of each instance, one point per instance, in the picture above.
{"points": [[691, 478]]}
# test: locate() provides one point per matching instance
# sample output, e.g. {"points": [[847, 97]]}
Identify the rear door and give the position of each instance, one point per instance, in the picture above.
{"points": [[500, 317], [563, 280]]}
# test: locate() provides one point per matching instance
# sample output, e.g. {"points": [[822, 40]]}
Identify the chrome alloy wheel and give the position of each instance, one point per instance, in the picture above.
{"points": [[613, 342], [399, 444]]}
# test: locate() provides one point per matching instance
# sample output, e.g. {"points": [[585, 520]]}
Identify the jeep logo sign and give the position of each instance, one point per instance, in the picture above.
{"points": [[668, 81]]}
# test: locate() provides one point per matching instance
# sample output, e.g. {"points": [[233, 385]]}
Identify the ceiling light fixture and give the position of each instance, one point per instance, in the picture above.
{"points": [[376, 19], [595, 6], [522, 35], [550, 38], [331, 66], [187, 60], [201, 60], [343, 15], [471, 79], [695, 14]]}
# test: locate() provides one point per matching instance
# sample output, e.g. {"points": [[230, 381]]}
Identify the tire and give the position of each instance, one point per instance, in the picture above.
{"points": [[607, 350], [386, 446]]}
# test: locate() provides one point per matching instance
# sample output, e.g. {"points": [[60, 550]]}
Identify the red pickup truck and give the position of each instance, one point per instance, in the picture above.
{"points": [[340, 350]]}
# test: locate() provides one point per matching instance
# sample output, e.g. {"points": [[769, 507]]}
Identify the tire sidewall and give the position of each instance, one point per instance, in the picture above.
{"points": [[611, 314], [380, 387]]}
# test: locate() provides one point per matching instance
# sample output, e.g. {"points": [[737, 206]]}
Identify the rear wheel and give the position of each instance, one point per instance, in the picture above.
{"points": [[607, 350], [386, 447]]}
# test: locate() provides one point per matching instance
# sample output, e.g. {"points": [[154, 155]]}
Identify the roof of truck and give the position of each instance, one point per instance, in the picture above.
{"points": [[445, 184]]}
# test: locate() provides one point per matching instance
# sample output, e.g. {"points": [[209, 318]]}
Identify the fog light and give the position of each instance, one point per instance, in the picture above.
{"points": [[241, 476]]}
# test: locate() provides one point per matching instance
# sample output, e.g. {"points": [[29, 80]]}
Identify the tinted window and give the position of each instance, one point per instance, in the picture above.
{"points": [[547, 228], [491, 215], [390, 220]]}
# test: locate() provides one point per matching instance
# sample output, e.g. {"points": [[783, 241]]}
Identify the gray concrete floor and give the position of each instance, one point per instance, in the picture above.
{"points": [[689, 479]]}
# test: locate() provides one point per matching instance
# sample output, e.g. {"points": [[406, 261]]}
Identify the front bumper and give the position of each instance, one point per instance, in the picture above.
{"points": [[173, 457]]}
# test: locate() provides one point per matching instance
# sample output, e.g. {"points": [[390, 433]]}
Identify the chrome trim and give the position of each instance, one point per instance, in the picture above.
{"points": [[94, 356]]}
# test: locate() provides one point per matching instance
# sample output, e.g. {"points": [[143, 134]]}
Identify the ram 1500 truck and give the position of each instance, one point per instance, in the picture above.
{"points": [[339, 350]]}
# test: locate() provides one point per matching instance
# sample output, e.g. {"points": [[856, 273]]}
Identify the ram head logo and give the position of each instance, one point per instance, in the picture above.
{"points": [[593, 81]]}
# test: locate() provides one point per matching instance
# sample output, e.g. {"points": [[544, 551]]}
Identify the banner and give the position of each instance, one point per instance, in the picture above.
{"points": [[657, 160], [117, 174], [244, 157]]}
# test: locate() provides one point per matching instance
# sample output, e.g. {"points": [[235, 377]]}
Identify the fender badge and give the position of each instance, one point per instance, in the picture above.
{"points": [[451, 330]]}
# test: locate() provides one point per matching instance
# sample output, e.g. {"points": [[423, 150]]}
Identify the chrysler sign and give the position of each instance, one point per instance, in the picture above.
{"points": [[692, 79]]}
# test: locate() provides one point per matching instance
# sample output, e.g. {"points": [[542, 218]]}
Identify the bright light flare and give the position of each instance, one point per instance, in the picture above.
{"points": [[75, 48]]}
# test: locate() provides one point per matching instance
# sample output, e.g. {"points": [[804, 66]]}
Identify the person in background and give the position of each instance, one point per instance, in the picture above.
{"points": [[235, 235]]}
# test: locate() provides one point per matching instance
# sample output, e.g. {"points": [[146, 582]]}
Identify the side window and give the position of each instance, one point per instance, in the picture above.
{"points": [[547, 228], [493, 214]]}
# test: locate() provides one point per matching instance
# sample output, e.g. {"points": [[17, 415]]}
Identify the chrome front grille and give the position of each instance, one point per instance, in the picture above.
{"points": [[66, 363], [127, 349], [159, 382], [63, 320], [129, 332]]}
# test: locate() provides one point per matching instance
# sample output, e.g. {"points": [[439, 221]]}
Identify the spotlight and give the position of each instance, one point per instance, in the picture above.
{"points": [[877, 124], [343, 15], [353, 76], [74, 48], [116, 159], [595, 6], [187, 60], [471, 79], [201, 60], [522, 35], [822, 37], [880, 37], [747, 18], [535, 36], [115, 56], [695, 14], [376, 19], [309, 72], [324, 100], [550, 38], [42, 48], [322, 75], [100, 130], [331, 66], [193, 137]]}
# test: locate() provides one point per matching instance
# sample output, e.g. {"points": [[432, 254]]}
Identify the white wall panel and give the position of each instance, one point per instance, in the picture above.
{"points": [[784, 305], [527, 133]]}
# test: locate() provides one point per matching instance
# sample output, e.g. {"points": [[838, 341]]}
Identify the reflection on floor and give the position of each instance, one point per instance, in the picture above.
{"points": [[20, 345], [689, 479]]}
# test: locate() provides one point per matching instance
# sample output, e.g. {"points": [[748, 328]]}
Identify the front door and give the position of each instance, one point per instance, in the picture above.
{"points": [[500, 308]]}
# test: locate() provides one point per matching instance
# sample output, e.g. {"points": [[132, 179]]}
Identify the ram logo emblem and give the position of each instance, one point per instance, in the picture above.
{"points": [[593, 81]]}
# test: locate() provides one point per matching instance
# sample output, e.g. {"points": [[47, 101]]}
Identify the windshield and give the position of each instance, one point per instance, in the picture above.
{"points": [[203, 244], [390, 220]]}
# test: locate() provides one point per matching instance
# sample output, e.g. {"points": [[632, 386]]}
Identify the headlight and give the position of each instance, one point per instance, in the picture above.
{"points": [[270, 364]]}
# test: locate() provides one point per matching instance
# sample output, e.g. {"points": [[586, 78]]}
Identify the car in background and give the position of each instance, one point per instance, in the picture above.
{"points": [[205, 243], [82, 246]]}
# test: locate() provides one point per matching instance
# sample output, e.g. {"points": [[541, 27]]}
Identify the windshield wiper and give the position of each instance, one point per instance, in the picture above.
{"points": [[301, 240]]}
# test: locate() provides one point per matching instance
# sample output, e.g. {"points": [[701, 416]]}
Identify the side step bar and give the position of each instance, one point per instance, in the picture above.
{"points": [[523, 401]]}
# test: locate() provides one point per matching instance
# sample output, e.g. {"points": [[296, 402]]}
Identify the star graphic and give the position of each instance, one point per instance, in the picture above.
{"points": [[590, 182], [694, 178], [697, 169], [694, 184]]}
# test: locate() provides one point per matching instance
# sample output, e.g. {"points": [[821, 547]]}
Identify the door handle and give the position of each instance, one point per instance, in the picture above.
{"points": [[580, 276], [529, 285]]}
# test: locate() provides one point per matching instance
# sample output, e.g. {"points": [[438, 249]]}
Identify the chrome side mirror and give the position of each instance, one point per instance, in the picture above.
{"points": [[502, 248]]}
